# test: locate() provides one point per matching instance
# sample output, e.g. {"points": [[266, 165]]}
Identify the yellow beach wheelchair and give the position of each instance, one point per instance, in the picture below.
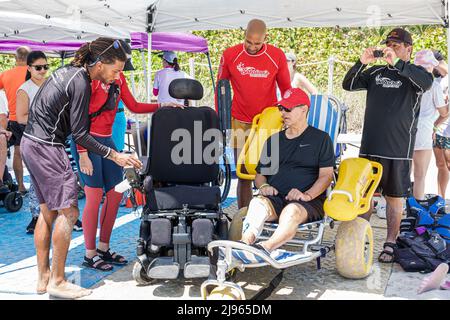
{"points": [[357, 180]]}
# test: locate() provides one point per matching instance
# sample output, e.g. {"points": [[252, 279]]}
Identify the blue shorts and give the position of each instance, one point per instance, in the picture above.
{"points": [[442, 142], [107, 174]]}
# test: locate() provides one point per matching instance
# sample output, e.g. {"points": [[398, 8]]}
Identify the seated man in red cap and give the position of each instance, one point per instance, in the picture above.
{"points": [[293, 174]]}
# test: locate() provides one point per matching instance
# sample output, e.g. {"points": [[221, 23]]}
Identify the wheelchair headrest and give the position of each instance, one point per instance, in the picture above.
{"points": [[189, 89]]}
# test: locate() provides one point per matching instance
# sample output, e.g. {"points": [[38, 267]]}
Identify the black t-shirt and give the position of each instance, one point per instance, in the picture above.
{"points": [[296, 162]]}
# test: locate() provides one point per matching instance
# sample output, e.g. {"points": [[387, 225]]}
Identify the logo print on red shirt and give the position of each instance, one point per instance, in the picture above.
{"points": [[251, 71]]}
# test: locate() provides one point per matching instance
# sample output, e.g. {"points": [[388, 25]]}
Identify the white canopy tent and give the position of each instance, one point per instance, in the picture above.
{"points": [[84, 19], [61, 20], [184, 15]]}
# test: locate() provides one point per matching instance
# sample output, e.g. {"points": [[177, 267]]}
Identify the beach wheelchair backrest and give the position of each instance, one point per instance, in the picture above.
{"points": [[324, 114]]}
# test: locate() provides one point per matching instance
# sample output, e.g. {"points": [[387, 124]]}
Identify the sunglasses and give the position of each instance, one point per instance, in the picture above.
{"points": [[281, 108], [116, 45], [40, 67]]}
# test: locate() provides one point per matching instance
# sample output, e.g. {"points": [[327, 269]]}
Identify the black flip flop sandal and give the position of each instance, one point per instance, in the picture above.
{"points": [[112, 258], [97, 263], [391, 245]]}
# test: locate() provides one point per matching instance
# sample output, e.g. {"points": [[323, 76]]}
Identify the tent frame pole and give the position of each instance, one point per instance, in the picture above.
{"points": [[331, 60], [211, 72], [138, 129], [149, 86]]}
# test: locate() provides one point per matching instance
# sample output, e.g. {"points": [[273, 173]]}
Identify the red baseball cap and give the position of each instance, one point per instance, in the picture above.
{"points": [[294, 97]]}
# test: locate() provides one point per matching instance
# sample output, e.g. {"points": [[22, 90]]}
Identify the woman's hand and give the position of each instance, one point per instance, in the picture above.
{"points": [[86, 164], [171, 104]]}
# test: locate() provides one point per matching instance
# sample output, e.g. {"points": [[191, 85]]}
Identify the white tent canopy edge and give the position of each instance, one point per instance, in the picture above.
{"points": [[83, 19]]}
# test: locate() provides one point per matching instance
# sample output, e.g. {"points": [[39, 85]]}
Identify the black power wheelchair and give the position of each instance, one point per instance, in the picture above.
{"points": [[181, 183]]}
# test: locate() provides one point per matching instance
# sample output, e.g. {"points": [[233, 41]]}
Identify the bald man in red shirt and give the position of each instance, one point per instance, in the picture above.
{"points": [[254, 69]]}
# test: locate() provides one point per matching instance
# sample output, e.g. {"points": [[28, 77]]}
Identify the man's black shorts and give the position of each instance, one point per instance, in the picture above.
{"points": [[314, 208], [17, 130], [396, 181]]}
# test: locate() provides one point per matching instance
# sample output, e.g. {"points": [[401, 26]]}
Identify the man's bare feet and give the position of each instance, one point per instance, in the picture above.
{"points": [[43, 283], [67, 290]]}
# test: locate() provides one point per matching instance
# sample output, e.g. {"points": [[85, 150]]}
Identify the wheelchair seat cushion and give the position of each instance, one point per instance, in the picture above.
{"points": [[196, 197]]}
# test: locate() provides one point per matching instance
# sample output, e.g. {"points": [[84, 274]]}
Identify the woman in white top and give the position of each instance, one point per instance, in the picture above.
{"points": [[36, 75], [441, 141], [163, 78], [298, 80], [433, 110]]}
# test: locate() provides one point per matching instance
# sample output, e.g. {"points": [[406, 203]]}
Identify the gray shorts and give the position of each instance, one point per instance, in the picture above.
{"points": [[50, 171]]}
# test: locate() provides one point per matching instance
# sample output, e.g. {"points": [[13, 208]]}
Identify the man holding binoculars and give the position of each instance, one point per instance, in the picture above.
{"points": [[394, 91]]}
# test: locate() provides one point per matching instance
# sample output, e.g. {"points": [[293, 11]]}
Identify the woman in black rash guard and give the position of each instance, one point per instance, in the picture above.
{"points": [[59, 109], [394, 91]]}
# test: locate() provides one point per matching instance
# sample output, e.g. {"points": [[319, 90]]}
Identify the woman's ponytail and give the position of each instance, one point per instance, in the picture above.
{"points": [[175, 65]]}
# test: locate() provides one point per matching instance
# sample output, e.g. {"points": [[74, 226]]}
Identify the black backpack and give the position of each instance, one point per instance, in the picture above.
{"points": [[421, 252]]}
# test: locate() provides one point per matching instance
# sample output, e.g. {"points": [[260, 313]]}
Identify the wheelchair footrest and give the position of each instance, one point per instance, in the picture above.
{"points": [[197, 267], [247, 255], [163, 268]]}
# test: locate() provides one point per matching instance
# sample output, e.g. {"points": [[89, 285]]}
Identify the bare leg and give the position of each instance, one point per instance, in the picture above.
{"points": [[42, 236], [18, 168], [421, 160], [443, 173], [244, 187], [244, 193], [394, 211], [62, 233], [291, 216], [447, 162], [368, 214]]}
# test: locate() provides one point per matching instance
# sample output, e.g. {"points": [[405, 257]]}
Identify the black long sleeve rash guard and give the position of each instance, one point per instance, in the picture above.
{"points": [[392, 106], [61, 108]]}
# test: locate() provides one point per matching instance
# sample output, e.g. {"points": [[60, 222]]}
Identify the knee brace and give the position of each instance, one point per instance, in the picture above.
{"points": [[258, 213]]}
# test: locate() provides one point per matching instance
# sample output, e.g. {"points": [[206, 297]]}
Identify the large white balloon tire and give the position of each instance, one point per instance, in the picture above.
{"points": [[354, 249]]}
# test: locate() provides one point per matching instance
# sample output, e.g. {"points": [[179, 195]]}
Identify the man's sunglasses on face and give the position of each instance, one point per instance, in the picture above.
{"points": [[281, 108], [38, 67]]}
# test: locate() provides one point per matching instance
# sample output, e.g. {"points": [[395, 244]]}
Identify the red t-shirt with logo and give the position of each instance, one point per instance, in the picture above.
{"points": [[254, 79]]}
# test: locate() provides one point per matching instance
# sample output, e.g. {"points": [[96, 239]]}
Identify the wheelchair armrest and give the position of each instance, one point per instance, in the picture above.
{"points": [[148, 184], [145, 165]]}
